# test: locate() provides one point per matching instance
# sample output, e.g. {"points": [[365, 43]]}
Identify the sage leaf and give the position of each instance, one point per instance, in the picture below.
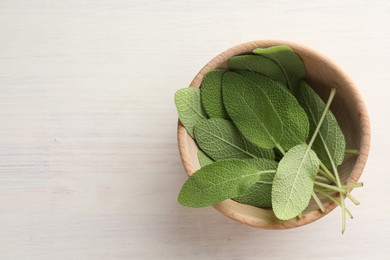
{"points": [[204, 159], [211, 94], [330, 142], [294, 118], [220, 139], [290, 63], [260, 64], [218, 181], [189, 108], [260, 194], [294, 181], [251, 111]]}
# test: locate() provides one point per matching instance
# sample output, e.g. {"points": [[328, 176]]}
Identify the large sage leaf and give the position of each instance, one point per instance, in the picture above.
{"points": [[189, 108], [330, 142], [293, 182], [260, 194], [219, 181], [211, 94], [251, 111], [204, 159], [260, 64], [290, 63], [294, 118], [220, 139]]}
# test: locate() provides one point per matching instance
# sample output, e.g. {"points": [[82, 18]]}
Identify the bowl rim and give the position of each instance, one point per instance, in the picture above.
{"points": [[229, 207]]}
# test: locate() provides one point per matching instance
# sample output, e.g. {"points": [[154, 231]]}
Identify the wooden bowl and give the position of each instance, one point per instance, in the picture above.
{"points": [[348, 107]]}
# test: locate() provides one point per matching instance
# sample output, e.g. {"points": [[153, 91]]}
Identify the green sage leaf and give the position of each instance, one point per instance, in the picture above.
{"points": [[251, 111], [211, 94], [330, 142], [260, 64], [290, 63], [204, 159], [293, 182], [220, 139], [218, 181], [294, 118], [260, 194], [189, 108]]}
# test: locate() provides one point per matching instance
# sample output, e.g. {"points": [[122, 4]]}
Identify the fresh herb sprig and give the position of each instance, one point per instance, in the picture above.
{"points": [[266, 138]]}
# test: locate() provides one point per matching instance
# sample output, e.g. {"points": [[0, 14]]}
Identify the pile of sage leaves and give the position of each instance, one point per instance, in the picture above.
{"points": [[265, 138]]}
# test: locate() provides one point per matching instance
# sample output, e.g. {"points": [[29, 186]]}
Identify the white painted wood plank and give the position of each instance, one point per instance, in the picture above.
{"points": [[89, 167]]}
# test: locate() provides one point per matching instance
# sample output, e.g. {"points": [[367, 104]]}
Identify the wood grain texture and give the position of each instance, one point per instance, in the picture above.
{"points": [[89, 165]]}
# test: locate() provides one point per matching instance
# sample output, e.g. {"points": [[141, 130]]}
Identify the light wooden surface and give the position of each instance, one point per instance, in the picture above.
{"points": [[89, 165]]}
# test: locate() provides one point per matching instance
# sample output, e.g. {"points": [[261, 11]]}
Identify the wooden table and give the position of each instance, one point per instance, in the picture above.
{"points": [[89, 166]]}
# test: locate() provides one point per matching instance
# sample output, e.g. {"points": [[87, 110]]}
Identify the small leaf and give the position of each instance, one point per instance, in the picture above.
{"points": [[217, 182], [294, 118], [211, 94], [189, 108], [293, 182], [251, 111], [220, 139], [204, 159], [291, 64], [260, 64], [260, 194], [330, 142]]}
